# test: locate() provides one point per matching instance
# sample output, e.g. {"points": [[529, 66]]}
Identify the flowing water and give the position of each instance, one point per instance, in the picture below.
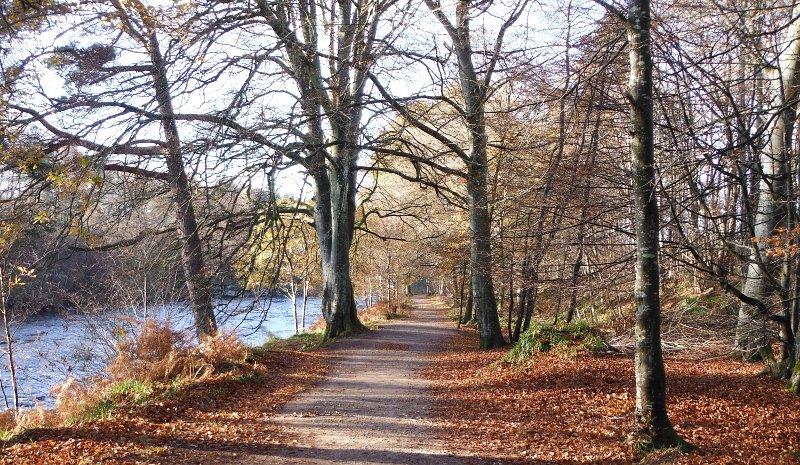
{"points": [[49, 348]]}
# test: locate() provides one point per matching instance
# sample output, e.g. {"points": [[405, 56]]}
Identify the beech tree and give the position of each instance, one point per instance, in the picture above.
{"points": [[327, 50], [652, 420]]}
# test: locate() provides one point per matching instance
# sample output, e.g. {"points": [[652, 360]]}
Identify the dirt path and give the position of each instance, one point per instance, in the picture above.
{"points": [[372, 408]]}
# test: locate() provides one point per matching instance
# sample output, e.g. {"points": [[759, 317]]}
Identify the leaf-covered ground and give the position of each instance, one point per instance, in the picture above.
{"points": [[553, 410], [202, 423], [579, 410]]}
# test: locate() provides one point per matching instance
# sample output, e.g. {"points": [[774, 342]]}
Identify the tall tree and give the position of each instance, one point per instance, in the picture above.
{"points": [[101, 85], [653, 423], [329, 48], [772, 208]]}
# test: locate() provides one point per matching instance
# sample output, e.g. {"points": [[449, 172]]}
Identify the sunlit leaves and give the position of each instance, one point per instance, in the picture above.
{"points": [[580, 410], [783, 243]]}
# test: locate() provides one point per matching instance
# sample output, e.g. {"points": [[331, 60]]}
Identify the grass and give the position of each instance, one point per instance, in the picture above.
{"points": [[566, 338], [126, 392], [102, 410], [253, 376], [132, 391], [303, 342], [695, 305]]}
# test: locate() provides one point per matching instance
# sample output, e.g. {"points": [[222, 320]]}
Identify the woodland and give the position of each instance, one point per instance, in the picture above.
{"points": [[590, 177]]}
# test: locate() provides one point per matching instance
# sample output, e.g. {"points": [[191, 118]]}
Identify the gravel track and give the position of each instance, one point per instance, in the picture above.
{"points": [[373, 407]]}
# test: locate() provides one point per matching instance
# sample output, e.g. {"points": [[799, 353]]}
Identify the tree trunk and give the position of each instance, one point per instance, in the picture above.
{"points": [[191, 247], [305, 304], [334, 220], [293, 296], [468, 308], [530, 305], [652, 421], [12, 367], [491, 334], [576, 272], [461, 295], [752, 342], [332, 103], [473, 90]]}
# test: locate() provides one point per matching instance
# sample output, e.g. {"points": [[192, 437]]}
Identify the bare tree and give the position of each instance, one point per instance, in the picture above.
{"points": [[651, 391], [328, 49], [102, 88]]}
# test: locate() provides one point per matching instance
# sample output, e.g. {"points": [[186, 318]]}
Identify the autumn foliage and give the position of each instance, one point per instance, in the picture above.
{"points": [[579, 409], [156, 355], [205, 421]]}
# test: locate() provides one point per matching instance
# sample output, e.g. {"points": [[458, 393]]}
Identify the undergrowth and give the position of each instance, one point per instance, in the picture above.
{"points": [[384, 311], [373, 316], [564, 338], [302, 342], [157, 362]]}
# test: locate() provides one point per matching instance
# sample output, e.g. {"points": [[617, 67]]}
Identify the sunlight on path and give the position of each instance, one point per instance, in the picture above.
{"points": [[372, 408]]}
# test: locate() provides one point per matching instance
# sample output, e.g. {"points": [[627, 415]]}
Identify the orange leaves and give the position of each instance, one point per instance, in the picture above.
{"points": [[580, 410], [782, 244], [199, 423]]}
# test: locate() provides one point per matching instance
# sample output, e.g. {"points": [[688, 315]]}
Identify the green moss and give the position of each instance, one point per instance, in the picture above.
{"points": [[794, 382], [565, 338]]}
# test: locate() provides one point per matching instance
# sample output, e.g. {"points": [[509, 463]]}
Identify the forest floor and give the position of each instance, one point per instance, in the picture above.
{"points": [[578, 409], [416, 392], [204, 422]]}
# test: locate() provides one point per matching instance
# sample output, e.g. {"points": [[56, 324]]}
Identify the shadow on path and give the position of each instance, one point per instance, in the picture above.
{"points": [[373, 407]]}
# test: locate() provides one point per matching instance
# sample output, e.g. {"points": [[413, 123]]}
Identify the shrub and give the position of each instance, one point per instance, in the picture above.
{"points": [[566, 338], [158, 355]]}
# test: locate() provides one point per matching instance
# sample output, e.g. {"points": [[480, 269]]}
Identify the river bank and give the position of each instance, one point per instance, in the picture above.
{"points": [[51, 347]]}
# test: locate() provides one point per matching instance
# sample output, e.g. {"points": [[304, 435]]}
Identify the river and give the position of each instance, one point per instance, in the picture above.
{"points": [[51, 347]]}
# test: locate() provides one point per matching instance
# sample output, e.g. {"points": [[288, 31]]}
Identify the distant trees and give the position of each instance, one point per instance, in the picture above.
{"points": [[455, 122], [726, 134]]}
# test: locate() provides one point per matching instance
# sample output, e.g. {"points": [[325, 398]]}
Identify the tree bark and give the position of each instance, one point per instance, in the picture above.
{"points": [[752, 342], [469, 316], [191, 245], [652, 422], [12, 367], [334, 220], [332, 104], [474, 94]]}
